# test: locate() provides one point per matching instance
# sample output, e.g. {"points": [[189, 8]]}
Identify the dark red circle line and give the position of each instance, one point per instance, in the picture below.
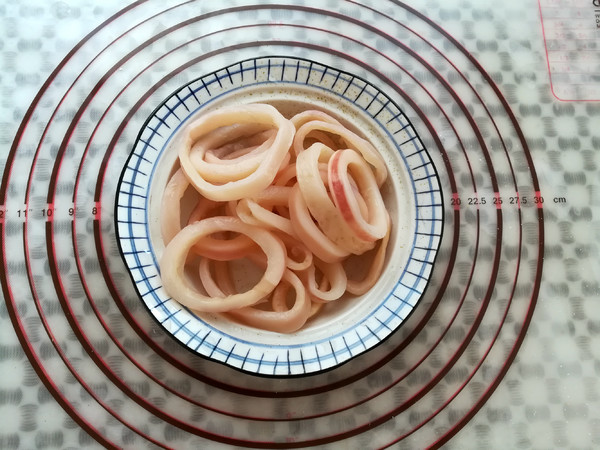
{"points": [[107, 154], [540, 257], [116, 137], [19, 328], [478, 365], [62, 147], [6, 290], [32, 355], [368, 68], [102, 257], [456, 216]]}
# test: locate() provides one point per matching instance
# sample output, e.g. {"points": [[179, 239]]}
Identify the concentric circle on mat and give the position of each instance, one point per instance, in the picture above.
{"points": [[346, 328], [122, 378]]}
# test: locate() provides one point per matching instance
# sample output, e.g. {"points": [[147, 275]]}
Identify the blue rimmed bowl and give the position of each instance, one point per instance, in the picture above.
{"points": [[345, 328]]}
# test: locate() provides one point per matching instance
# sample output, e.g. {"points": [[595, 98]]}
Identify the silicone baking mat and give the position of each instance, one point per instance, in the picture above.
{"points": [[500, 352]]}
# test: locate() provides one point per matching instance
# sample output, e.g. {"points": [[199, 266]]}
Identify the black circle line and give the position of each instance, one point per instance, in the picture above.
{"points": [[137, 106]]}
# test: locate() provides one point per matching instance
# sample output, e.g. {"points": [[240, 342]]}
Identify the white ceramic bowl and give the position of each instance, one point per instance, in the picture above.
{"points": [[345, 328]]}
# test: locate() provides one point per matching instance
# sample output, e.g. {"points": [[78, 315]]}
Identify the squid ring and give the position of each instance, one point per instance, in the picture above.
{"points": [[352, 140], [279, 320], [271, 160], [341, 165], [173, 261]]}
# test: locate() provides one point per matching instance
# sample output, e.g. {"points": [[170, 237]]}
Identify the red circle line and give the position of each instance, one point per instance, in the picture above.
{"points": [[98, 235]]}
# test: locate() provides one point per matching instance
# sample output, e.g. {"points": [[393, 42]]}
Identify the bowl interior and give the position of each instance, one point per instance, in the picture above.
{"points": [[397, 194]]}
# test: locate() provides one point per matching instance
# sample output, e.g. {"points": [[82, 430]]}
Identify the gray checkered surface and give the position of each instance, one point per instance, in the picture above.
{"points": [[501, 351]]}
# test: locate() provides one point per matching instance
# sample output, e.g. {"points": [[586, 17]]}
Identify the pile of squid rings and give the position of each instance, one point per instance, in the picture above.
{"points": [[296, 198]]}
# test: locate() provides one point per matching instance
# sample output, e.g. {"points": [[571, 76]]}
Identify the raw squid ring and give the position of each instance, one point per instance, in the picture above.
{"points": [[359, 287], [271, 160], [312, 114], [211, 247], [352, 140], [255, 214], [336, 278], [208, 282], [308, 232], [170, 220], [299, 257], [320, 205], [215, 170], [174, 257], [279, 321], [341, 165], [258, 210], [240, 147]]}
